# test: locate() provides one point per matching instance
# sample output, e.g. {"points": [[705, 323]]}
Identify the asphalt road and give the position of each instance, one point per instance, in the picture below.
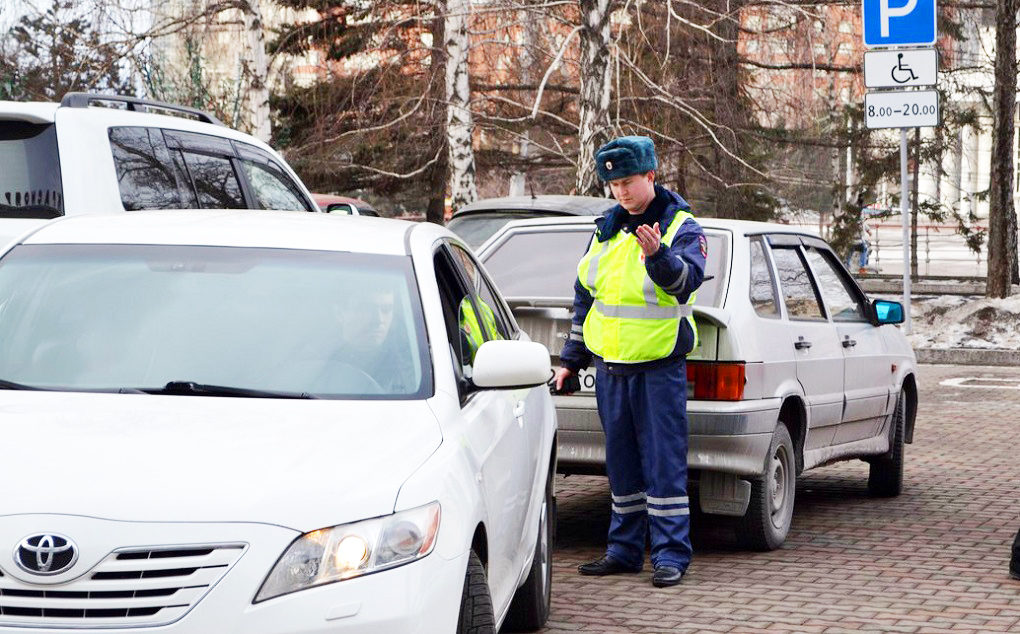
{"points": [[934, 559]]}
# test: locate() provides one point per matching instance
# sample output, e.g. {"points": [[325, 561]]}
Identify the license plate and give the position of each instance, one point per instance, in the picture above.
{"points": [[587, 378]]}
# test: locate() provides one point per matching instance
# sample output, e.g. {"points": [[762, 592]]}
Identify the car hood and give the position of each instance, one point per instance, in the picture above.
{"points": [[302, 464]]}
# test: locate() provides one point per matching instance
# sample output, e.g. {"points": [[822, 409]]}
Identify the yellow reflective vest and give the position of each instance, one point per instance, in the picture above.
{"points": [[631, 320], [472, 329]]}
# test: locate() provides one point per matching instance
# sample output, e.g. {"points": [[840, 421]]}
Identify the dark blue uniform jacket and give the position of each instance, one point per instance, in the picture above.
{"points": [[683, 259]]}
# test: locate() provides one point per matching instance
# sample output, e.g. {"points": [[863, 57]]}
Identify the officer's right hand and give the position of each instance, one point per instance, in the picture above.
{"points": [[562, 375]]}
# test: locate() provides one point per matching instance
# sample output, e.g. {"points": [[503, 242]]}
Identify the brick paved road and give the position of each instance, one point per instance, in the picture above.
{"points": [[934, 559]]}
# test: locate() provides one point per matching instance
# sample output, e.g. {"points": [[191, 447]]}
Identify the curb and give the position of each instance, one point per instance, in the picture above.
{"points": [[968, 356]]}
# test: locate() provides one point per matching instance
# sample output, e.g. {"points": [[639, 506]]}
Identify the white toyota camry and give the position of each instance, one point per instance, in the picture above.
{"points": [[237, 422]]}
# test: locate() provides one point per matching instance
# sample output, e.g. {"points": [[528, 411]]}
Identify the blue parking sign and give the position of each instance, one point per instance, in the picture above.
{"points": [[899, 22]]}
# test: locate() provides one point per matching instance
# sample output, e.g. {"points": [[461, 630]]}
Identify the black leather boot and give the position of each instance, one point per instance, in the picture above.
{"points": [[606, 566], [666, 576]]}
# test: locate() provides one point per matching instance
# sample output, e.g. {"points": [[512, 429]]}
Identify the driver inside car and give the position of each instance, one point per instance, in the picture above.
{"points": [[371, 345]]}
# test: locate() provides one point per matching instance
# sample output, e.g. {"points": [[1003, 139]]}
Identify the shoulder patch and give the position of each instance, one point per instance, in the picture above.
{"points": [[703, 244]]}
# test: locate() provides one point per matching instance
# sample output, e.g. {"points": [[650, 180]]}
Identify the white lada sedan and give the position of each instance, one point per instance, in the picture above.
{"points": [[227, 422], [795, 368]]}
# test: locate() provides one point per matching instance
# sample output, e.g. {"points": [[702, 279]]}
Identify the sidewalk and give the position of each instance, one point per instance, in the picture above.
{"points": [[934, 559]]}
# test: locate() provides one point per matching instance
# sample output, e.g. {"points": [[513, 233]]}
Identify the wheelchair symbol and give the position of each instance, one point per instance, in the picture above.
{"points": [[901, 68]]}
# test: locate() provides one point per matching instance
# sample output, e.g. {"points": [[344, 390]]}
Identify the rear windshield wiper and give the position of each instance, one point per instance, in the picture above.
{"points": [[191, 388]]}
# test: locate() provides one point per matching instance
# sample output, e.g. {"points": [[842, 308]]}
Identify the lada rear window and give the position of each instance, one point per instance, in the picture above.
{"points": [[542, 263], [29, 171], [142, 317]]}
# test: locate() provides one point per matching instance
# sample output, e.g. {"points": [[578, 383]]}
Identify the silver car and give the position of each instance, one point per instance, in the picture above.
{"points": [[795, 367]]}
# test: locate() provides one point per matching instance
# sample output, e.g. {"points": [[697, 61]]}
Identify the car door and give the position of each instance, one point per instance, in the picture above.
{"points": [[528, 406], [867, 375], [819, 355], [496, 431]]}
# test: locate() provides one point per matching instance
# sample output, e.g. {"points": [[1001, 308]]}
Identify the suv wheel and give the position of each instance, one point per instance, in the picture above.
{"points": [[767, 520]]}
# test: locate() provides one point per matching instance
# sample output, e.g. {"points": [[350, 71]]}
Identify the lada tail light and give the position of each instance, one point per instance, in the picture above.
{"points": [[712, 381]]}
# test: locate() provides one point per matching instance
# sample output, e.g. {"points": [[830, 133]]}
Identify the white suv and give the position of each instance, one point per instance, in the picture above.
{"points": [[75, 158]]}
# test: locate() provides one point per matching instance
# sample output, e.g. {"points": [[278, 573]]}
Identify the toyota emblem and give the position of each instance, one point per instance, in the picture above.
{"points": [[45, 554]]}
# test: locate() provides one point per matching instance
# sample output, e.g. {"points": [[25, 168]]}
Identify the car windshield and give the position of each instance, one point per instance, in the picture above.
{"points": [[521, 274], [476, 228], [232, 321], [29, 171]]}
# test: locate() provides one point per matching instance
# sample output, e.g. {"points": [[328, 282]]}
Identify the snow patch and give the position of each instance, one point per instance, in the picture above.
{"points": [[955, 321]]}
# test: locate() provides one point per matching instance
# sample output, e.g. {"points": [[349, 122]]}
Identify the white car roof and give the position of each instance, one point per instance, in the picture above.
{"points": [[32, 111], [232, 228]]}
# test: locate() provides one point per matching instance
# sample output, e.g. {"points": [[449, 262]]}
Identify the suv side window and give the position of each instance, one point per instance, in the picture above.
{"points": [[839, 298], [270, 184], [493, 319], [215, 181], [802, 302], [147, 176], [763, 286]]}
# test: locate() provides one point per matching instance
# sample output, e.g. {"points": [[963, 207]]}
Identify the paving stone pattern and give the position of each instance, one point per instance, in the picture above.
{"points": [[934, 559]]}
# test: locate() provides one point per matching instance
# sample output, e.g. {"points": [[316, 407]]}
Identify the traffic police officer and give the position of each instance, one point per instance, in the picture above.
{"points": [[632, 311]]}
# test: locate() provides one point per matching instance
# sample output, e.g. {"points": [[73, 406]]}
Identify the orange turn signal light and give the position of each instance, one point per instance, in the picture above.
{"points": [[714, 381]]}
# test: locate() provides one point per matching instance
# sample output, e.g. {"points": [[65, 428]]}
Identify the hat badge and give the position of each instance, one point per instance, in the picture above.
{"points": [[609, 165]]}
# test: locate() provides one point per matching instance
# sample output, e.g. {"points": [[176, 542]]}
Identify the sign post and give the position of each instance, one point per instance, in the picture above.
{"points": [[910, 23]]}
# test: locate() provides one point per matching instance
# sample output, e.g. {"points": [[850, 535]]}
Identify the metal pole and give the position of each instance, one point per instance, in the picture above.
{"points": [[904, 210]]}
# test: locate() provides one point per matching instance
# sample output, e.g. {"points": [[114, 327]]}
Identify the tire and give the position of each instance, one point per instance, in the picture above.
{"points": [[885, 478], [529, 609], [767, 520], [476, 615]]}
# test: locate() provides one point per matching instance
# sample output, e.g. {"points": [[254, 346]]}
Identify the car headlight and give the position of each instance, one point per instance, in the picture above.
{"points": [[351, 550]]}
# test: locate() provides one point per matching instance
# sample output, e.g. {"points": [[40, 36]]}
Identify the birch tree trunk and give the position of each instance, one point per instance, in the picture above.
{"points": [[594, 126], [1002, 259], [530, 36], [459, 121], [257, 69]]}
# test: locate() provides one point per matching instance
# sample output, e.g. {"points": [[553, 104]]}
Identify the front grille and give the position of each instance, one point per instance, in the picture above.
{"points": [[130, 587]]}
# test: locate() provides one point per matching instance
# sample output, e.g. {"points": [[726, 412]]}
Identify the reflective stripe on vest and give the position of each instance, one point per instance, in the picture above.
{"points": [[631, 320]]}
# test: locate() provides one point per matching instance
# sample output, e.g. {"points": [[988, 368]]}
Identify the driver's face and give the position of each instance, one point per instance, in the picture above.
{"points": [[368, 322]]}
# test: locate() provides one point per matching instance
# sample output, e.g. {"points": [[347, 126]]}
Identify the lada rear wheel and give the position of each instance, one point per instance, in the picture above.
{"points": [[476, 615], [770, 511], [530, 608], [885, 478]]}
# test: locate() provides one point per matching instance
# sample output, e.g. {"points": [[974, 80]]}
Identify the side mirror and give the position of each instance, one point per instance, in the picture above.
{"points": [[886, 312], [342, 209], [504, 364]]}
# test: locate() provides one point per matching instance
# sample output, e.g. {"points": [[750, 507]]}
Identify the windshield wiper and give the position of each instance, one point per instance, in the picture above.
{"points": [[191, 388], [11, 385]]}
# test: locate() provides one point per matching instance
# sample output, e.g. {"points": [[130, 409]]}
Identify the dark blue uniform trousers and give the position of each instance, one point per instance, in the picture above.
{"points": [[644, 416]]}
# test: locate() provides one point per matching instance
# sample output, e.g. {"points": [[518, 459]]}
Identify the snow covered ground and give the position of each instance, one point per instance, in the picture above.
{"points": [[954, 321]]}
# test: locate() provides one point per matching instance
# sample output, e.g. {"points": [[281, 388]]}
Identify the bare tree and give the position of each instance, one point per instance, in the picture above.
{"points": [[1002, 257], [256, 69], [439, 172], [460, 124], [593, 110]]}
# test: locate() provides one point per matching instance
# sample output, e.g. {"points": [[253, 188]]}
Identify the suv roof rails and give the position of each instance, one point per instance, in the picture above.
{"points": [[83, 99]]}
